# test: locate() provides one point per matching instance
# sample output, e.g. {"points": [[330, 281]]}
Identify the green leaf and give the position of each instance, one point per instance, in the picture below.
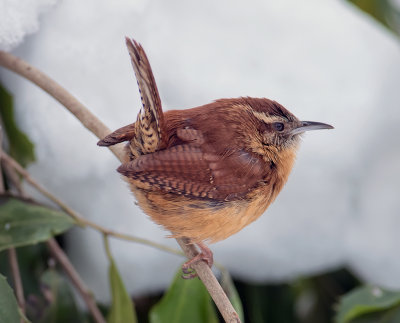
{"points": [[231, 292], [23, 223], [61, 304], [384, 11], [32, 261], [21, 148], [386, 316], [8, 304], [364, 300], [185, 301], [122, 308]]}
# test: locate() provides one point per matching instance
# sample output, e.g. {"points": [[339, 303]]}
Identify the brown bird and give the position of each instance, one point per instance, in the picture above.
{"points": [[207, 172]]}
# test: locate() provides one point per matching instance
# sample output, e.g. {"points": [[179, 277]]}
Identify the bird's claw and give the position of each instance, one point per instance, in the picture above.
{"points": [[188, 271]]}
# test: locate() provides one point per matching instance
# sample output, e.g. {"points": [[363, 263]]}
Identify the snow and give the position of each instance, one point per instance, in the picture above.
{"points": [[324, 60], [19, 18]]}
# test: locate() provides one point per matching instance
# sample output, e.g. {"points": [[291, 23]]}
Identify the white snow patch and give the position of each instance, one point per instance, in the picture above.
{"points": [[19, 18]]}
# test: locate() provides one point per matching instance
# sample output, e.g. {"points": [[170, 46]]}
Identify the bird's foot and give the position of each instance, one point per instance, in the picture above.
{"points": [[205, 255]]}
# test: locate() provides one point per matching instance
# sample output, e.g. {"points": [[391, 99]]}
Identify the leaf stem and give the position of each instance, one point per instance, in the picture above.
{"points": [[107, 246]]}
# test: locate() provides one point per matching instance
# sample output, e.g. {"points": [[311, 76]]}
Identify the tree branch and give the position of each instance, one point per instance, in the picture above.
{"points": [[92, 123]]}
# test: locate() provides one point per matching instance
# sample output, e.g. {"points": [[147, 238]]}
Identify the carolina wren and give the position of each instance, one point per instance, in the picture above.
{"points": [[205, 173]]}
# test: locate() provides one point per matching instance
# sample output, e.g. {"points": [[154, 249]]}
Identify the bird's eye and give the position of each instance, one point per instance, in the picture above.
{"points": [[278, 126]]}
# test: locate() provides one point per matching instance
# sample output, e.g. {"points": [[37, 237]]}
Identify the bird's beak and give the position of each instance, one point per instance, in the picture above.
{"points": [[310, 125]]}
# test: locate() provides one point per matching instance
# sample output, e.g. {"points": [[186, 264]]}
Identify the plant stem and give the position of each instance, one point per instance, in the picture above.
{"points": [[19, 290], [2, 189], [69, 269], [12, 253]]}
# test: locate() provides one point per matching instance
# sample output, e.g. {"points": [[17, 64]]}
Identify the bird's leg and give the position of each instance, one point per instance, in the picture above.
{"points": [[204, 255]]}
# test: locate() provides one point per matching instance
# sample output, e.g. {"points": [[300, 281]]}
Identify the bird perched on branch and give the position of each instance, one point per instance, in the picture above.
{"points": [[205, 173]]}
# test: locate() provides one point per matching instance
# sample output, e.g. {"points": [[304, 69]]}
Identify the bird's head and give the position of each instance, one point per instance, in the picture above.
{"points": [[278, 127]]}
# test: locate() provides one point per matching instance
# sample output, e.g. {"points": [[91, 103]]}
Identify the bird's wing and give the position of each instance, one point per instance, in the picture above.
{"points": [[190, 169], [150, 123]]}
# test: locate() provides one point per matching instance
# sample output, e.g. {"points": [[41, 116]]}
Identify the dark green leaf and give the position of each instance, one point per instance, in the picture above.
{"points": [[122, 308], [23, 223], [231, 292], [364, 300], [386, 316], [8, 303], [185, 301], [384, 11], [268, 302], [21, 148], [32, 261], [61, 305]]}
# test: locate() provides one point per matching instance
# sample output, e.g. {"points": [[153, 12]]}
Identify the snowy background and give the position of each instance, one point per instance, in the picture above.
{"points": [[324, 60]]}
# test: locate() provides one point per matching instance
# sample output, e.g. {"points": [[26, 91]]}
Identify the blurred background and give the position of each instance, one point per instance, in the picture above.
{"points": [[335, 224]]}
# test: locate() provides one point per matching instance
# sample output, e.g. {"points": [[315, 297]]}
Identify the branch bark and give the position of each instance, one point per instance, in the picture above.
{"points": [[92, 123]]}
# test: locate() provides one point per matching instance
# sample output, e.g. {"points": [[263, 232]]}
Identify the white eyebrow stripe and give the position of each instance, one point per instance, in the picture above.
{"points": [[265, 118]]}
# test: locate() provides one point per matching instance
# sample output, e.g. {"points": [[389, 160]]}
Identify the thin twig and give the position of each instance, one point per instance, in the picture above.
{"points": [[69, 269], [78, 218], [91, 122], [19, 290], [13, 180], [12, 253], [2, 189]]}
